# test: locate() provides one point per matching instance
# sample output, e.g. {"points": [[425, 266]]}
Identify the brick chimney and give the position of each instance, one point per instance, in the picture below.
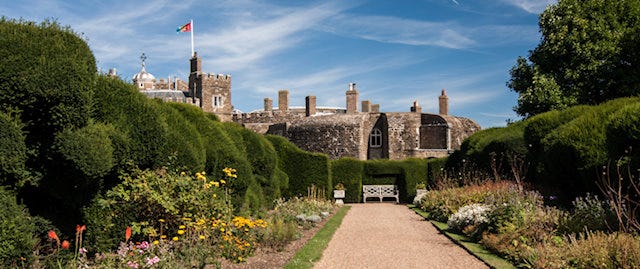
{"points": [[444, 103], [352, 99], [416, 107], [268, 105], [283, 101], [310, 105], [366, 106]]}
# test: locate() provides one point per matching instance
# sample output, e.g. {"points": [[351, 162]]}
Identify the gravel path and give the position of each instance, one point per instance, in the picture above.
{"points": [[384, 235]]}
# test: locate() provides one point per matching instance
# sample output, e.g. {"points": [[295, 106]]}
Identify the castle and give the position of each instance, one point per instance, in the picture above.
{"points": [[338, 132]]}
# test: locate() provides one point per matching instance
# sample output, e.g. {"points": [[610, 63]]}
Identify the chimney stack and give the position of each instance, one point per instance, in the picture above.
{"points": [[416, 107], [283, 101], [366, 106], [310, 105], [444, 103], [268, 105], [352, 99]]}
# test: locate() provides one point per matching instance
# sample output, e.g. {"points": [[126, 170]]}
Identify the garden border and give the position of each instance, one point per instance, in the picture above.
{"points": [[487, 257]]}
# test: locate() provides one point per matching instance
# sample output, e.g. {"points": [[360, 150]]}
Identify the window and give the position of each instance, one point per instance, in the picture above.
{"points": [[375, 138], [217, 101]]}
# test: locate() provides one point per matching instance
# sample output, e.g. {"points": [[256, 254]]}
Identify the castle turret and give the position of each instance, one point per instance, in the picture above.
{"points": [[444, 103], [352, 99], [143, 79]]}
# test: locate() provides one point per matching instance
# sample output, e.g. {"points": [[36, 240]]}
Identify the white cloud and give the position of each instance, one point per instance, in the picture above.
{"points": [[398, 30], [531, 6]]}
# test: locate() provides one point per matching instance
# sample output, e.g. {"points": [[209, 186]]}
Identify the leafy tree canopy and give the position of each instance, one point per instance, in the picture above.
{"points": [[588, 54]]}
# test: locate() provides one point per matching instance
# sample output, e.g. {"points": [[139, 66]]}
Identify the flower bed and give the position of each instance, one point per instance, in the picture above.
{"points": [[518, 226]]}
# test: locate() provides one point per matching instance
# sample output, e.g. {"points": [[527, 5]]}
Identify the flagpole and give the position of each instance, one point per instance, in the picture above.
{"points": [[192, 50]]}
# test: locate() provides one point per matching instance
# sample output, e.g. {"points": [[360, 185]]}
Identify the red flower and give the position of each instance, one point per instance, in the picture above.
{"points": [[65, 244], [80, 228], [53, 235], [127, 234]]}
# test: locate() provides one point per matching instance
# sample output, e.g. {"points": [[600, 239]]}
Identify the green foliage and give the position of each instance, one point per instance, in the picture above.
{"points": [[575, 151], [405, 174], [17, 231], [13, 153], [435, 170], [302, 168], [144, 131], [588, 54], [183, 140], [588, 213], [349, 172], [145, 197], [46, 73], [623, 133], [85, 156]]}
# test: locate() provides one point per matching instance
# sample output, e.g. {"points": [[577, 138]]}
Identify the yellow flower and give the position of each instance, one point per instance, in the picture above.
{"points": [[161, 220], [214, 195], [182, 227], [175, 238], [156, 242], [183, 173], [201, 237], [222, 181], [214, 183], [222, 229], [163, 237], [180, 232]]}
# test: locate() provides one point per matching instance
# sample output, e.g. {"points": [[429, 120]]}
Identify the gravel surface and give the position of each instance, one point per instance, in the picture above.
{"points": [[384, 235]]}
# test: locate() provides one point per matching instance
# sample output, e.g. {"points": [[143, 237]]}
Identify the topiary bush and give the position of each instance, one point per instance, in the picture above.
{"points": [[17, 230], [623, 133], [183, 140]]}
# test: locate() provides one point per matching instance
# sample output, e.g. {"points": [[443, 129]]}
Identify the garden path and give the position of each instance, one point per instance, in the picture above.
{"points": [[384, 235]]}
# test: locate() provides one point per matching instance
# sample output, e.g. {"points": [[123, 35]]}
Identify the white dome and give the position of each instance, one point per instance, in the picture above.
{"points": [[143, 76]]}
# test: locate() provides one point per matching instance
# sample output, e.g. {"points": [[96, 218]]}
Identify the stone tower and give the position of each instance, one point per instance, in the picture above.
{"points": [[213, 90], [444, 103], [352, 99]]}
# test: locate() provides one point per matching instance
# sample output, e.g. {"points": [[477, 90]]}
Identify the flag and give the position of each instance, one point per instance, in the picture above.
{"points": [[185, 28]]}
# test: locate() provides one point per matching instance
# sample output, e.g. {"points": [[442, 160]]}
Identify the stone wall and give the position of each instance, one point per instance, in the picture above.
{"points": [[335, 135]]}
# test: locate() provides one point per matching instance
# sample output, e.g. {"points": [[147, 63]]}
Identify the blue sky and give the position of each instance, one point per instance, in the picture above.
{"points": [[396, 51]]}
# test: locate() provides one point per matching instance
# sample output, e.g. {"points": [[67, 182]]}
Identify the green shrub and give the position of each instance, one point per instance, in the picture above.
{"points": [[183, 140], [349, 172], [144, 130], [47, 74], [85, 156], [148, 200], [588, 214], [623, 132], [303, 168], [13, 153], [435, 171], [17, 230]]}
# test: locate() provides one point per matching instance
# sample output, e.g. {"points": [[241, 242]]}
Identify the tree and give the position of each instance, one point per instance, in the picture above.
{"points": [[588, 54]]}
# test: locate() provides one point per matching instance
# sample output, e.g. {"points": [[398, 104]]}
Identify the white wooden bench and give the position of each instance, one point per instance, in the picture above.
{"points": [[380, 191]]}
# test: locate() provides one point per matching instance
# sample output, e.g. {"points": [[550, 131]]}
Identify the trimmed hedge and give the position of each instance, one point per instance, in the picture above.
{"points": [[13, 153], [623, 133], [183, 140], [349, 172], [405, 174], [303, 168]]}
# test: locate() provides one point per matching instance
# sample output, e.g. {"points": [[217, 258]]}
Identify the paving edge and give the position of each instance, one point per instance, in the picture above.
{"points": [[418, 211]]}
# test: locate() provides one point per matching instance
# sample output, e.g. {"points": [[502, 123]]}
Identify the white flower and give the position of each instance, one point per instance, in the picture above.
{"points": [[472, 214]]}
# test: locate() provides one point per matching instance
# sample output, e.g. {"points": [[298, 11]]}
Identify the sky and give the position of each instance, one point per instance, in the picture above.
{"points": [[395, 51]]}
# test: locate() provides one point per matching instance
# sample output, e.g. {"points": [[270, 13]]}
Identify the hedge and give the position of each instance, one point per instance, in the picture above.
{"points": [[349, 172], [13, 153], [17, 231], [183, 140], [302, 168], [623, 133]]}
